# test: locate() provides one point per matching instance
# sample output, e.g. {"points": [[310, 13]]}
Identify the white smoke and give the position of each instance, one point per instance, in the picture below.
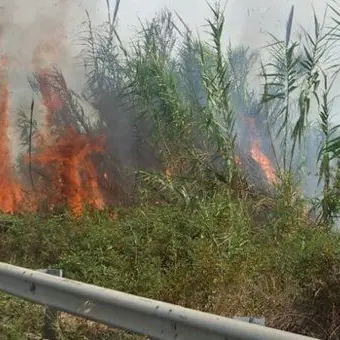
{"points": [[38, 33], [28, 25]]}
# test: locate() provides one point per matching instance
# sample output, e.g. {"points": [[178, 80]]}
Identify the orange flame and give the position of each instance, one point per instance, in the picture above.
{"points": [[9, 188], [74, 179], [263, 161], [63, 154], [47, 53], [256, 153], [50, 99]]}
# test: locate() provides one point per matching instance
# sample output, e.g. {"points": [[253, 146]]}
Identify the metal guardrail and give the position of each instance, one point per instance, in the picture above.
{"points": [[156, 319]]}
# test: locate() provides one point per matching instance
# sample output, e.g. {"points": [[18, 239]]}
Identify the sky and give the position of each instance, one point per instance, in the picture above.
{"points": [[246, 20], [28, 23]]}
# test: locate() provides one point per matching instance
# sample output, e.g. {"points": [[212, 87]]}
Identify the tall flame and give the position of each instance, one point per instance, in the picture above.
{"points": [[48, 52], [263, 161], [62, 154], [10, 191], [74, 179], [257, 154]]}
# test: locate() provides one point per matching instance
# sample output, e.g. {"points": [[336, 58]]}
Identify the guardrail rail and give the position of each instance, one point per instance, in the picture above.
{"points": [[156, 319]]}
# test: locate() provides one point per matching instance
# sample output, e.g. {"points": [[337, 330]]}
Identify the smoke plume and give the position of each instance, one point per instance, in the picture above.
{"points": [[34, 36]]}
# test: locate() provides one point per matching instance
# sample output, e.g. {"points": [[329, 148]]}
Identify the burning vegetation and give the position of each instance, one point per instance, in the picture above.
{"points": [[67, 175], [10, 190], [182, 137], [63, 156], [62, 171], [257, 154], [60, 156], [72, 175], [150, 101]]}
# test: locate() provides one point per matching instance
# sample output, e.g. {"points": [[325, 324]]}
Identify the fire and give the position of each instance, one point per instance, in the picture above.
{"points": [[47, 52], [62, 152], [61, 155], [263, 161], [256, 153], [51, 100], [74, 179], [10, 190]]}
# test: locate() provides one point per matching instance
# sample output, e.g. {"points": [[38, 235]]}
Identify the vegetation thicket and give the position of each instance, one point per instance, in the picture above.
{"points": [[205, 180]]}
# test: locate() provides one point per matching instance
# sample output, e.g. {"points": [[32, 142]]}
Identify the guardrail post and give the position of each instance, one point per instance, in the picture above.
{"points": [[51, 314], [250, 319]]}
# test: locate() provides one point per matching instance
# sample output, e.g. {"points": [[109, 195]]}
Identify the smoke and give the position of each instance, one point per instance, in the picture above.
{"points": [[40, 33], [37, 34]]}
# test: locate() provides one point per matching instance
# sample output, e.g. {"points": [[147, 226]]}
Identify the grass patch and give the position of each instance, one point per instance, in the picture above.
{"points": [[209, 257]]}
